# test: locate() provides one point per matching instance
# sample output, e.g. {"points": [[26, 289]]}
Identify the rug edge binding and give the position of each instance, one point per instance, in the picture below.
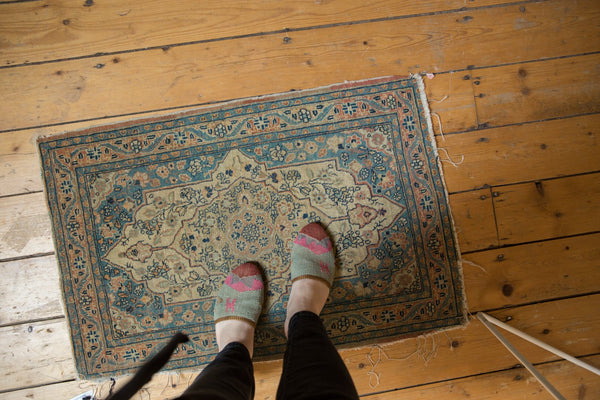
{"points": [[79, 375], [207, 107], [431, 136]]}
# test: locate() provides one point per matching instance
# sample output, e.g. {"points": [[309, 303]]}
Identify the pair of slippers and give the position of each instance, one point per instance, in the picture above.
{"points": [[241, 296]]}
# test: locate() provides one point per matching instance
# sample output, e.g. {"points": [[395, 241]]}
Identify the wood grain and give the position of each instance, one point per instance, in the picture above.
{"points": [[23, 298], [20, 173], [493, 278], [35, 354], [24, 226], [475, 225], [532, 272], [570, 380], [539, 90], [491, 156], [565, 324], [20, 167], [46, 30], [548, 209], [63, 390], [452, 102], [200, 73], [513, 154]]}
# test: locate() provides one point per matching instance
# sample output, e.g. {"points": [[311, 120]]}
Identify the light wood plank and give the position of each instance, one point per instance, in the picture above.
{"points": [[23, 141], [63, 391], [20, 169], [539, 90], [35, 354], [29, 290], [21, 173], [19, 161], [567, 324], [161, 387], [45, 30], [24, 226], [548, 209], [521, 153], [187, 75], [532, 272], [475, 225], [570, 380], [452, 102]]}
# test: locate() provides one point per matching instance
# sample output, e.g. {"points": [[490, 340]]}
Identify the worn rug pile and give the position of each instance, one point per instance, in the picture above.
{"points": [[150, 216]]}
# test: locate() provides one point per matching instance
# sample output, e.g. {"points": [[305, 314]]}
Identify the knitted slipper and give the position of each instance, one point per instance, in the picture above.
{"points": [[241, 296], [312, 255]]}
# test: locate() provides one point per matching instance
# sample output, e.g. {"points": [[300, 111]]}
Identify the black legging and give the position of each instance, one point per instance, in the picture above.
{"points": [[312, 368]]}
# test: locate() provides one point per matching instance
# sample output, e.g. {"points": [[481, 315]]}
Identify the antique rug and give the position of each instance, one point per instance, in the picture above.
{"points": [[149, 217]]}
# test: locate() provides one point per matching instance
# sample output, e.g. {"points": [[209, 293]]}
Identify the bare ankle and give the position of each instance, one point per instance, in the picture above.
{"points": [[306, 295], [229, 331]]}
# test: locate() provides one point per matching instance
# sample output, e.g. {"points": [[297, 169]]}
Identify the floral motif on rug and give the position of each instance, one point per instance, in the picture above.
{"points": [[150, 216]]}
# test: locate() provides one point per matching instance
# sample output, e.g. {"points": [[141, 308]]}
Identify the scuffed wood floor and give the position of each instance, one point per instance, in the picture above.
{"points": [[517, 92]]}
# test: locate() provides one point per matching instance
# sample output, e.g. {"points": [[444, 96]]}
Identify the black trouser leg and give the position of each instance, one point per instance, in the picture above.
{"points": [[312, 367], [229, 377]]}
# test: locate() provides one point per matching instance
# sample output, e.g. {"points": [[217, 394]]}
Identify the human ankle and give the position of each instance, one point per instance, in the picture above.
{"points": [[306, 295], [230, 331]]}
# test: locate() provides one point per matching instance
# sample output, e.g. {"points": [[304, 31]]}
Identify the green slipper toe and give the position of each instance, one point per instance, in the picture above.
{"points": [[312, 255], [241, 296]]}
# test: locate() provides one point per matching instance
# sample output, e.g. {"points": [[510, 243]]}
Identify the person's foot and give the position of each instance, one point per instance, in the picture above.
{"points": [[313, 269], [238, 306]]}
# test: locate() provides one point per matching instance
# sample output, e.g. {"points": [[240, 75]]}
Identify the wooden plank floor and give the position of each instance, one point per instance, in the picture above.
{"points": [[516, 93]]}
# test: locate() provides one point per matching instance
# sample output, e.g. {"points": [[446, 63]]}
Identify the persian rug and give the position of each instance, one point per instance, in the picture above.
{"points": [[150, 216]]}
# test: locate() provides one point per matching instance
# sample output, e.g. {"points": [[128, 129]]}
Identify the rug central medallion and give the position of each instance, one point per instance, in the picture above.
{"points": [[182, 241], [150, 216]]}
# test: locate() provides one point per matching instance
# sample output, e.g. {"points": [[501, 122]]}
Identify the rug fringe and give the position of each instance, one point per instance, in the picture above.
{"points": [[425, 351], [164, 384]]}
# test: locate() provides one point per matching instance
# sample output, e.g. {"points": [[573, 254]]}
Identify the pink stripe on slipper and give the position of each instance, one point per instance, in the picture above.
{"points": [[316, 246], [242, 286]]}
